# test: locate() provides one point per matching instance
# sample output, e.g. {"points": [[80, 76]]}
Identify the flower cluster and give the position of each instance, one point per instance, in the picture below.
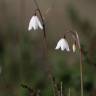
{"points": [[62, 44]]}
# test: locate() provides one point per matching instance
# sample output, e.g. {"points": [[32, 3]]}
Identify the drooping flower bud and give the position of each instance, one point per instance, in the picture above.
{"points": [[74, 47]]}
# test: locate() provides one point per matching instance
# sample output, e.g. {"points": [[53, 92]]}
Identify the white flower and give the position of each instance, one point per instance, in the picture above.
{"points": [[74, 47], [35, 23], [63, 44]]}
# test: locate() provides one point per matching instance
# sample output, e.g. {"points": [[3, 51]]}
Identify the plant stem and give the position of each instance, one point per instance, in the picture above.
{"points": [[61, 88], [53, 85], [81, 66], [43, 23], [75, 36], [45, 45], [44, 32], [69, 92], [81, 72]]}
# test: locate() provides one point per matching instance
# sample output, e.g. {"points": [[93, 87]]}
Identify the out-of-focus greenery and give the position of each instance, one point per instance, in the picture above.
{"points": [[22, 53]]}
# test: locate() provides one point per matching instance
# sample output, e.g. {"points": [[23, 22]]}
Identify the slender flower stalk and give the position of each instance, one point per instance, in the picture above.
{"points": [[43, 23], [44, 29], [54, 85], [75, 36], [61, 89], [81, 65], [69, 93], [45, 44]]}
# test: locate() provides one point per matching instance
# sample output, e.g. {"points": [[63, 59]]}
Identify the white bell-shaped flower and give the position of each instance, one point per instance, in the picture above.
{"points": [[63, 44], [74, 47], [35, 23]]}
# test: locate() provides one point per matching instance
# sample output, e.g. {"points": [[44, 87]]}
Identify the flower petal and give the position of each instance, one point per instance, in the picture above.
{"points": [[62, 48], [30, 24], [39, 23], [33, 23], [67, 47], [58, 45]]}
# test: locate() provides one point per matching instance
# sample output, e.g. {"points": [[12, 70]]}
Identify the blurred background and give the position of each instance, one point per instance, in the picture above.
{"points": [[22, 58]]}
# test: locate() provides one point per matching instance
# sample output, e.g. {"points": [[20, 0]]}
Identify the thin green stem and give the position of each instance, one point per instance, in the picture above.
{"points": [[81, 72], [53, 84], [61, 89], [69, 93]]}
